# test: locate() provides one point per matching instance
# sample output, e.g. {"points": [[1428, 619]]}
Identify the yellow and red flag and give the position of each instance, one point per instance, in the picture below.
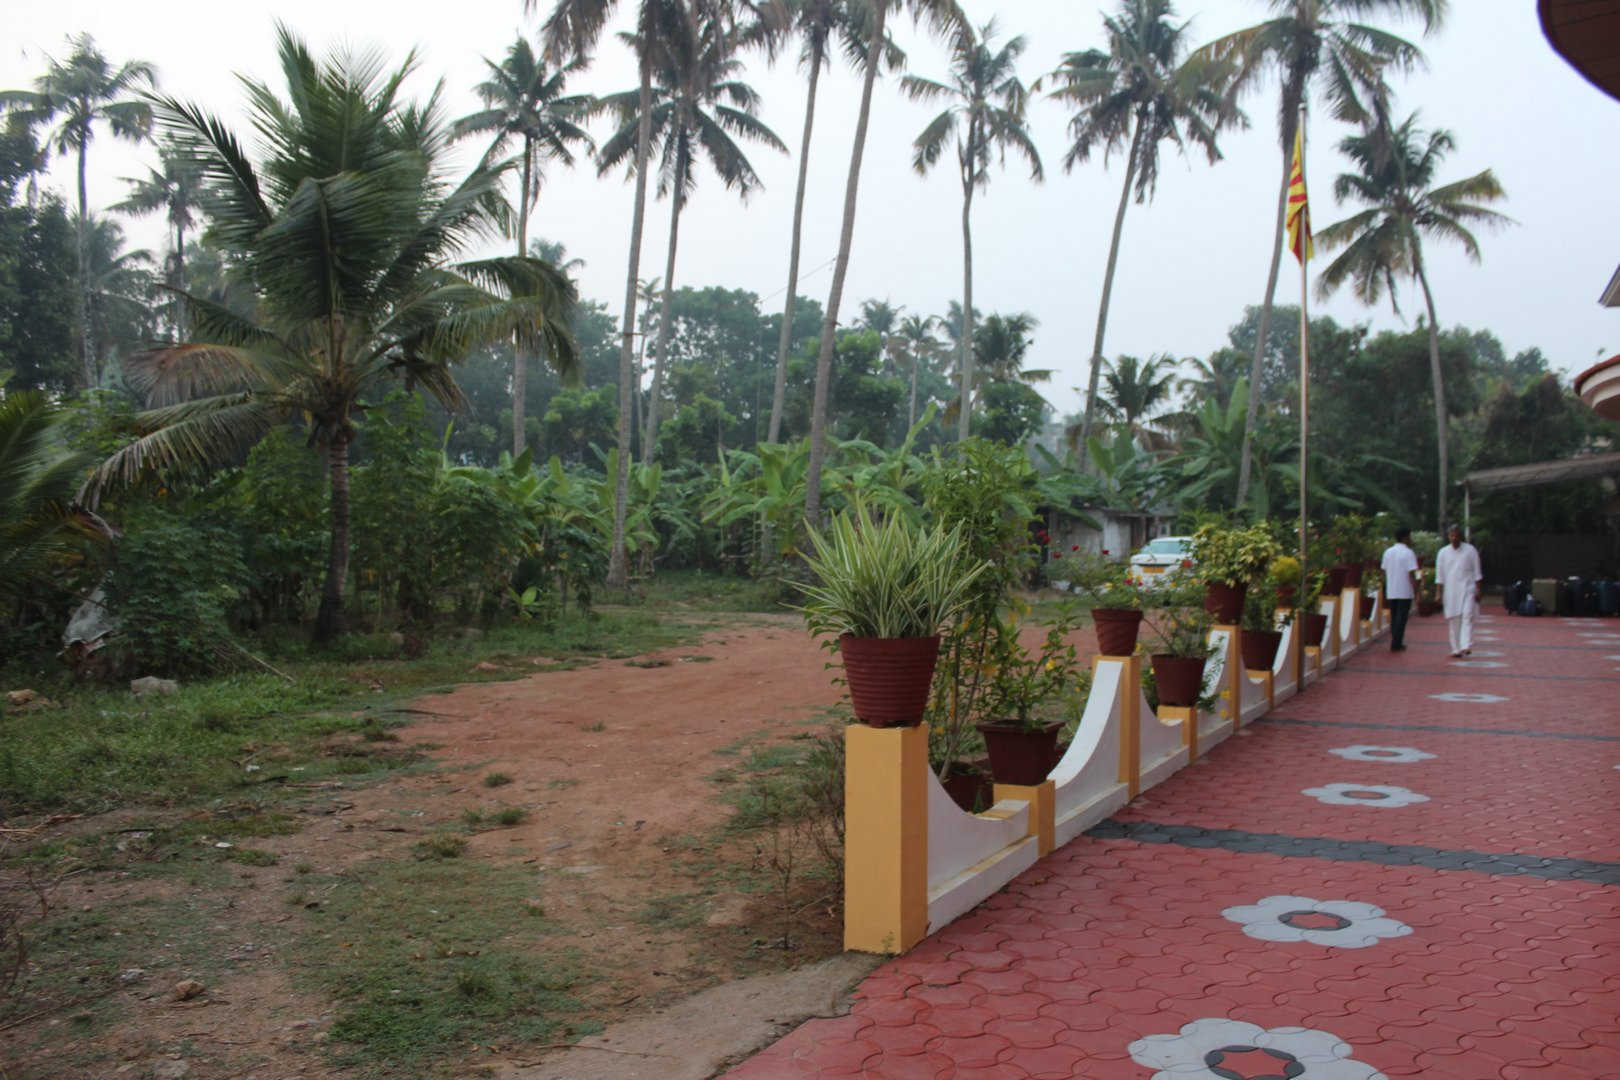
{"points": [[1299, 207]]}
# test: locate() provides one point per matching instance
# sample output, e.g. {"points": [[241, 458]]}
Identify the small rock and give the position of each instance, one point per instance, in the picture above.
{"points": [[152, 685], [28, 699], [186, 989], [396, 639], [132, 976], [485, 665], [169, 1069]]}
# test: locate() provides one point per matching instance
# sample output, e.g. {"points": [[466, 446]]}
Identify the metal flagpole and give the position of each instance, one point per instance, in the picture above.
{"points": [[1304, 408]]}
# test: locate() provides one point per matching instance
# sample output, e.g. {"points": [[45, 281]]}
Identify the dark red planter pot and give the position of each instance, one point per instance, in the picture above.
{"points": [[1352, 575], [1225, 602], [1367, 606], [970, 787], [889, 678], [1180, 679], [1286, 594], [1259, 648], [1116, 630], [1312, 627], [1335, 581], [1018, 754]]}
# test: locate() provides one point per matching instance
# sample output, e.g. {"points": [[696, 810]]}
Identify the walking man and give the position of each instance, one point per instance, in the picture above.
{"points": [[1400, 586], [1457, 575]]}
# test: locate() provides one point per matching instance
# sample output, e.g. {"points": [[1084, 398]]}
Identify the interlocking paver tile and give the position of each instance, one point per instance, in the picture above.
{"points": [[1506, 881]]}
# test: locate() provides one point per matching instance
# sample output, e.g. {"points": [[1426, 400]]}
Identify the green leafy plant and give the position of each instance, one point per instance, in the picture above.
{"points": [[1349, 539], [1177, 623], [886, 579], [1233, 556], [1103, 582], [1261, 610], [1371, 582], [1285, 571], [1022, 682]]}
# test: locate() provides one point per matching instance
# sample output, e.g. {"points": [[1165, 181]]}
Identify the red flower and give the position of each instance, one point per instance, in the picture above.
{"points": [[1106, 551], [1076, 547]]}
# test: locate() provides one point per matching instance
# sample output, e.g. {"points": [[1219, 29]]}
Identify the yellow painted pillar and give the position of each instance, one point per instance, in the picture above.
{"points": [[1042, 799], [885, 838], [1312, 663], [1130, 720], [1188, 715], [1232, 674]]}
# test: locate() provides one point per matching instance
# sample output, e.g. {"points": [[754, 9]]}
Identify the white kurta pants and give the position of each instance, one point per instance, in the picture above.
{"points": [[1461, 628]]}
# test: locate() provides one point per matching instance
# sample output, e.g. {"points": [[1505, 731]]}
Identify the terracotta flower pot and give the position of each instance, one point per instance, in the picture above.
{"points": [[1180, 679], [1116, 630], [1335, 581], [889, 678], [1367, 606], [1019, 754], [1352, 575], [1259, 648], [1312, 626], [1286, 594], [970, 787], [1225, 601]]}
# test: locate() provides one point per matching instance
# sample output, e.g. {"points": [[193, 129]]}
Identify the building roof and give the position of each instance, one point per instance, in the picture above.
{"points": [[1542, 472], [1587, 34]]}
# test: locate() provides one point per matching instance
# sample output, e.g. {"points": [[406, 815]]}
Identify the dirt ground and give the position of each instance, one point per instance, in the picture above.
{"points": [[611, 762]]}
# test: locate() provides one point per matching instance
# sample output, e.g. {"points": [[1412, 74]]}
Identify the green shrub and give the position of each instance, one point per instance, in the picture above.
{"points": [[170, 589]]}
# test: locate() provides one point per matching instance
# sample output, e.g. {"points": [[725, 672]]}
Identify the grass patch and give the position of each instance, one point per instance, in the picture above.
{"points": [[225, 736], [693, 590], [497, 779], [425, 959], [440, 845], [673, 911]]}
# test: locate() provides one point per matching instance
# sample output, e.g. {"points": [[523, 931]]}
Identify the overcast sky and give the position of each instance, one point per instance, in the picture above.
{"points": [[1190, 260]]}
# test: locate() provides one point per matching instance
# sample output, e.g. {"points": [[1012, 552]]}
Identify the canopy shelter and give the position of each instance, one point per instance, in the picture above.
{"points": [[1536, 474], [1587, 34]]}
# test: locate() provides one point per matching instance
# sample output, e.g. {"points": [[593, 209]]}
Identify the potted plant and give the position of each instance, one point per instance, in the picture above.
{"points": [[1348, 538], [1115, 598], [1226, 560], [1180, 643], [1284, 575], [1021, 739], [1312, 623], [1372, 581], [1259, 635], [882, 590]]}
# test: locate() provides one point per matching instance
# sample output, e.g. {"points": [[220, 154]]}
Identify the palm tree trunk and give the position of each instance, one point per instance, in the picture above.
{"points": [[1291, 113], [618, 565], [86, 350], [329, 620], [1440, 419], [650, 440], [1107, 293], [911, 404], [520, 358], [846, 237], [785, 339], [964, 415]]}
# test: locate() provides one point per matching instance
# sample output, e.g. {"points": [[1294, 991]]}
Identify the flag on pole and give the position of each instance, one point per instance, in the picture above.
{"points": [[1299, 208]]}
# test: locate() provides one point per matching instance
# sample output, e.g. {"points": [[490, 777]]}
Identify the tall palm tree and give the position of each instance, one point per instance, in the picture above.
{"points": [[78, 96], [570, 32], [985, 118], [999, 350], [944, 16], [880, 317], [821, 24], [1394, 171], [919, 346], [1133, 388], [526, 101], [1314, 44], [347, 224], [175, 188], [647, 294], [698, 105], [1141, 91]]}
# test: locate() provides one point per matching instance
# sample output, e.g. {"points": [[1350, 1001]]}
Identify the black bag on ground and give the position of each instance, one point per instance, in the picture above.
{"points": [[1529, 606], [1609, 597], [1514, 596]]}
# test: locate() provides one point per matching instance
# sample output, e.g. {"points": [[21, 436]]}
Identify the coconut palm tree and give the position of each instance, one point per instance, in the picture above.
{"points": [[175, 189], [919, 346], [39, 521], [944, 16], [1394, 171], [1315, 45], [123, 286], [1133, 388], [880, 317], [570, 32], [820, 24], [699, 108], [1143, 90], [78, 96], [985, 118], [526, 102], [347, 224]]}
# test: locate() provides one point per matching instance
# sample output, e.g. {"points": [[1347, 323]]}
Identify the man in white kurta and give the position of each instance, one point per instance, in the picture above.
{"points": [[1457, 575]]}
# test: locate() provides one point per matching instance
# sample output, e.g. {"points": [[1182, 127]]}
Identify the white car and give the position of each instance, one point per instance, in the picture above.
{"points": [[1162, 557]]}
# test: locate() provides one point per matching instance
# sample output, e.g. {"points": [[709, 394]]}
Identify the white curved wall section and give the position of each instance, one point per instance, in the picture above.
{"points": [[970, 856], [1087, 782]]}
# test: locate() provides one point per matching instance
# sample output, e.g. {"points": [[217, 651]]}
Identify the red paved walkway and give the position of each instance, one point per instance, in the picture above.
{"points": [[1226, 924]]}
